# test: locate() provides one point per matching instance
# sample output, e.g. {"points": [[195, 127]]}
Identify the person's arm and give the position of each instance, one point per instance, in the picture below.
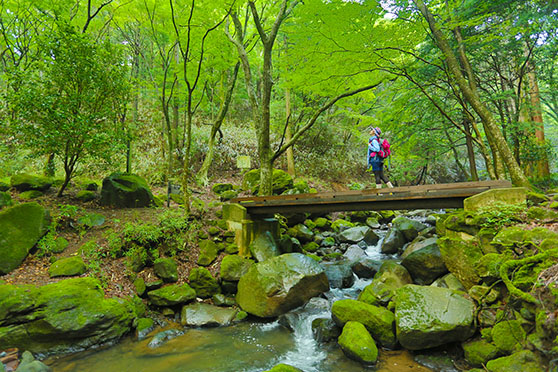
{"points": [[374, 145]]}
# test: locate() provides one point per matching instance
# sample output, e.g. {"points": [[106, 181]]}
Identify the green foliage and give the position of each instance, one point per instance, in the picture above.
{"points": [[93, 255], [500, 215]]}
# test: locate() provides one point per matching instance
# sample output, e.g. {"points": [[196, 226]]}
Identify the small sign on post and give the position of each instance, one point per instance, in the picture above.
{"points": [[243, 162]]}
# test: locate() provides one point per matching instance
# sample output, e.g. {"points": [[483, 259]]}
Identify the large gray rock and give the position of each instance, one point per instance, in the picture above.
{"points": [[410, 228], [124, 190], [354, 252], [425, 264], [427, 317], [394, 241], [72, 313], [21, 227], [339, 274], [264, 247], [357, 234], [205, 315], [280, 284], [366, 267]]}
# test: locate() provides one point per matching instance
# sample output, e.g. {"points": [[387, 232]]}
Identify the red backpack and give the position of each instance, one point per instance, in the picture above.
{"points": [[384, 149]]}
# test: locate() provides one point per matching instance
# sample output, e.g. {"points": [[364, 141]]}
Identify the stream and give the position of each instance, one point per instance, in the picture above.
{"points": [[243, 347]]}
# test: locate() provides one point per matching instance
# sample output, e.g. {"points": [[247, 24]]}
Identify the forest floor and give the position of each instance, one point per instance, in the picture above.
{"points": [[119, 278]]}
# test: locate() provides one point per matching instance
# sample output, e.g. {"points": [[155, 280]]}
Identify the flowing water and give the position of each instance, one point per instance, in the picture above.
{"points": [[243, 347]]}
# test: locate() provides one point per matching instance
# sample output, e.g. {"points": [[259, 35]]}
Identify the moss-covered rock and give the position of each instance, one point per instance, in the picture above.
{"points": [[322, 223], [284, 368], [478, 352], [425, 264], [219, 188], [540, 214], [279, 284], [536, 198], [357, 234], [522, 361], [228, 195], [21, 227], [449, 281], [203, 282], [378, 320], [86, 196], [166, 269], [172, 295], [341, 224], [5, 199], [393, 242], [24, 182], [233, 267], [410, 228], [208, 252], [69, 266], [357, 344], [389, 277], [30, 194], [125, 190], [325, 330], [461, 257], [264, 247], [301, 232], [72, 313], [144, 327], [139, 284], [508, 336], [427, 317], [281, 181]]}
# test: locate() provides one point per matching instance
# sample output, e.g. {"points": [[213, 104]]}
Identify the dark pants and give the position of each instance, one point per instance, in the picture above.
{"points": [[380, 176]]}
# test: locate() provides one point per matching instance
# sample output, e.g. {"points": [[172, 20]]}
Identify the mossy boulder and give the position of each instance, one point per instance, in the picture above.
{"points": [[389, 277], [208, 252], [144, 327], [171, 295], [522, 361], [357, 234], [279, 284], [264, 247], [478, 352], [284, 368], [233, 267], [5, 199], [325, 330], [449, 281], [541, 214], [378, 320], [86, 196], [281, 181], [4, 184], [228, 195], [21, 227], [166, 269], [69, 266], [25, 182], [126, 190], [487, 199], [536, 198], [408, 227], [394, 241], [508, 336], [219, 188], [72, 313], [203, 282], [425, 264], [301, 232], [30, 194], [341, 224], [461, 257], [357, 344], [427, 317]]}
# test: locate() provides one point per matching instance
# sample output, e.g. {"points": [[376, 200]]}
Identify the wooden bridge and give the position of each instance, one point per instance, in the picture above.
{"points": [[408, 197]]}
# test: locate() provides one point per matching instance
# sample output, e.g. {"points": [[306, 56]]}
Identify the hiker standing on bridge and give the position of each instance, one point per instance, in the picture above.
{"points": [[377, 152]]}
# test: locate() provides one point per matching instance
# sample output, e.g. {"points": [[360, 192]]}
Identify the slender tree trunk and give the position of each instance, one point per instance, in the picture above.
{"points": [[542, 169], [491, 126], [50, 167], [470, 150], [289, 134], [225, 104]]}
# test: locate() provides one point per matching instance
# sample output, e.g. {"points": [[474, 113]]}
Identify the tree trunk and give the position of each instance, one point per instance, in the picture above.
{"points": [[490, 125], [470, 150], [289, 134], [225, 104], [541, 167], [50, 167]]}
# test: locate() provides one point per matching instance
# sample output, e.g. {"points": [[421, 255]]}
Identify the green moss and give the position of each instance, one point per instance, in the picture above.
{"points": [[478, 352], [203, 282], [31, 194], [356, 343], [70, 266], [508, 336]]}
